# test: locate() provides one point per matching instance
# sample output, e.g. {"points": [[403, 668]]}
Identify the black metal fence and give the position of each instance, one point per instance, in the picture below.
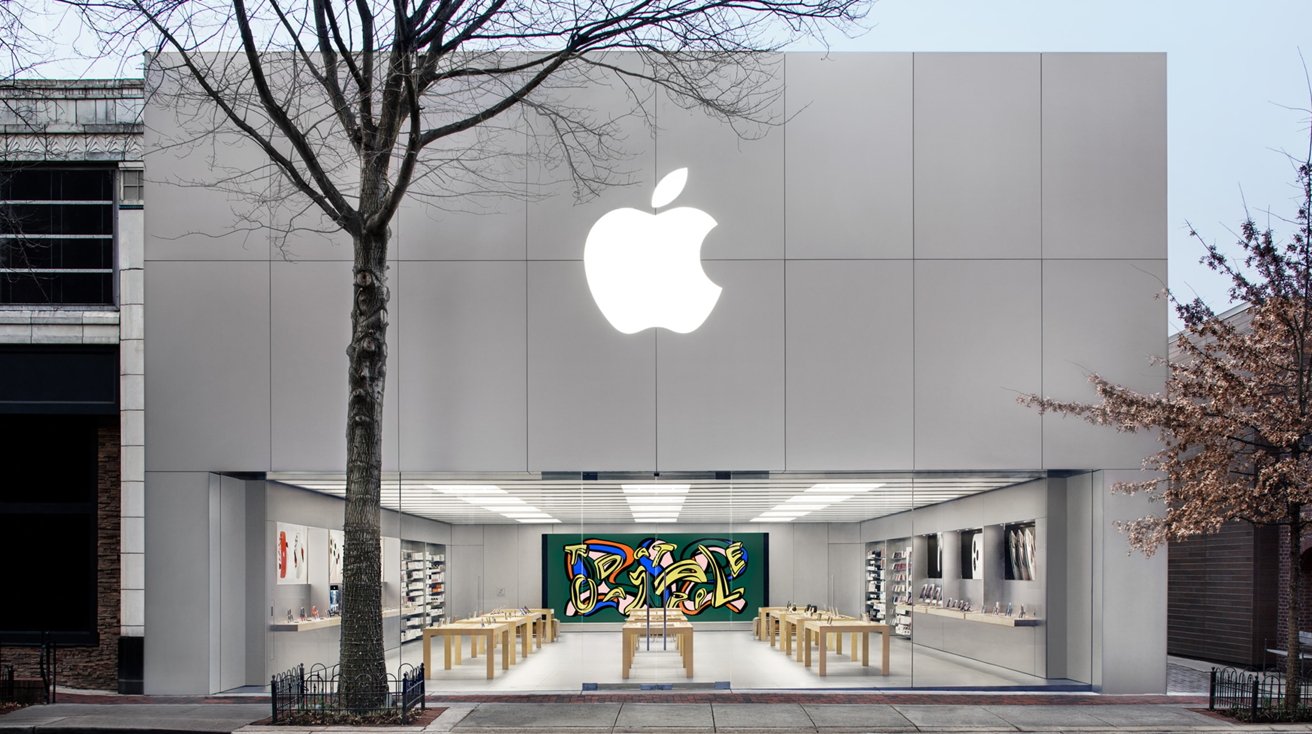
{"points": [[1252, 696], [317, 692], [24, 690]]}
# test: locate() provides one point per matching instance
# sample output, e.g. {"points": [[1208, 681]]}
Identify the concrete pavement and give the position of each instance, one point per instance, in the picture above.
{"points": [[652, 714]]}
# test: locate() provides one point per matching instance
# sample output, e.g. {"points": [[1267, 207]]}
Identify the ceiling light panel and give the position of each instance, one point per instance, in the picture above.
{"points": [[779, 498]]}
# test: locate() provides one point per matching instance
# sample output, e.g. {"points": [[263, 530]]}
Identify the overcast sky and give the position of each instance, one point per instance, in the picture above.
{"points": [[1234, 69]]}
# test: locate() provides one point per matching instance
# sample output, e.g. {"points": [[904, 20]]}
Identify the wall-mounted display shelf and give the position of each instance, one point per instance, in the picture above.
{"points": [[900, 575], [998, 619], [423, 583], [435, 604], [876, 599], [307, 625]]}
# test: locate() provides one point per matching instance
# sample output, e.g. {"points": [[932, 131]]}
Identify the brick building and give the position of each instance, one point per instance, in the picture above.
{"points": [[71, 397], [1226, 591]]}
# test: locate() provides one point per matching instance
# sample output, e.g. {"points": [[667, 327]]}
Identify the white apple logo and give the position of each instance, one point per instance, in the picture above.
{"points": [[645, 270]]}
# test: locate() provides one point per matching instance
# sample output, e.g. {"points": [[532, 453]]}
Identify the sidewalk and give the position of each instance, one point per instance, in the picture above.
{"points": [[682, 713]]}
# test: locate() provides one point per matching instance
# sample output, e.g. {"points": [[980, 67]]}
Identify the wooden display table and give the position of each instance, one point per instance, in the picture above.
{"points": [[788, 622], [545, 626], [655, 617], [822, 628], [767, 615], [474, 630], [631, 631], [524, 626], [799, 625]]}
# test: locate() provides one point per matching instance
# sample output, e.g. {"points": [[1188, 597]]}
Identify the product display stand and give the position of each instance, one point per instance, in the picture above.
{"points": [[876, 601], [901, 572], [423, 586]]}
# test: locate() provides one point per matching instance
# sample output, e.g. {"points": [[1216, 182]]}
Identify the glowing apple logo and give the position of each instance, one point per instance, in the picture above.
{"points": [[645, 270]]}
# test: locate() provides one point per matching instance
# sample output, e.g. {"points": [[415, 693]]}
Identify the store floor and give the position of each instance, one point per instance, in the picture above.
{"points": [[580, 658]]}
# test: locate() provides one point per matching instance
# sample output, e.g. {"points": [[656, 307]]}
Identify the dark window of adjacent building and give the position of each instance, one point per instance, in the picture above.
{"points": [[57, 236], [48, 526]]}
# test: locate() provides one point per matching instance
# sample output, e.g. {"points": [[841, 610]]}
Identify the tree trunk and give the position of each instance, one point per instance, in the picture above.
{"points": [[1294, 660], [363, 672]]}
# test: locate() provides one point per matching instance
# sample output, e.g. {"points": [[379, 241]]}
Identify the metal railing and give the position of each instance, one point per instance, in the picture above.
{"points": [[1252, 696], [15, 689], [318, 693]]}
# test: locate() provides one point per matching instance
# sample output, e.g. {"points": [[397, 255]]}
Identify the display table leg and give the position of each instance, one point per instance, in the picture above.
{"points": [[460, 644], [687, 653], [526, 637], [473, 646], [626, 657], [428, 639], [489, 656], [884, 661], [838, 643], [804, 646], [824, 652], [446, 653], [507, 648]]}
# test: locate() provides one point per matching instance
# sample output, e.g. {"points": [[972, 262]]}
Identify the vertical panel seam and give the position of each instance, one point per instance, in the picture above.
{"points": [[1043, 361], [784, 195]]}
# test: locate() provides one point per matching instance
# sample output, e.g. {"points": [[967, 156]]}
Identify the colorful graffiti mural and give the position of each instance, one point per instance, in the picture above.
{"points": [[608, 578]]}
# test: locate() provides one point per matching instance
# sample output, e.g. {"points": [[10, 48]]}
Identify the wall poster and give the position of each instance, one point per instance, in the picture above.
{"points": [[292, 553], [336, 542], [603, 578]]}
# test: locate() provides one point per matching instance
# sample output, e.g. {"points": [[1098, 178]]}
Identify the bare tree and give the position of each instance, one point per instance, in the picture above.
{"points": [[392, 82], [1236, 415]]}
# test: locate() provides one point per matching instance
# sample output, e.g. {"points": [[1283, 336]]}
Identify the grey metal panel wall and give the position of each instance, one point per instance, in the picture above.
{"points": [[595, 399], [463, 367], [178, 608], [977, 150], [208, 394], [847, 156], [978, 346], [1104, 155], [720, 389], [1094, 321]]}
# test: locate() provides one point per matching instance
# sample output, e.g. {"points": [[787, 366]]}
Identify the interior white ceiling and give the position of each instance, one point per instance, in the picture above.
{"points": [[803, 498]]}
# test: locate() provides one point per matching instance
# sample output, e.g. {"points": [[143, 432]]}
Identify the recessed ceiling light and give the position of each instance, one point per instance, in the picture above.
{"points": [[537, 521], [655, 519], [461, 489], [850, 488], [771, 519], [779, 513], [655, 488], [806, 508], [655, 500], [529, 513], [494, 501]]}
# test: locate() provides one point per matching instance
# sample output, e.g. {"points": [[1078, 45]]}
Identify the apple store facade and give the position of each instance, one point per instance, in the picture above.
{"points": [[767, 392]]}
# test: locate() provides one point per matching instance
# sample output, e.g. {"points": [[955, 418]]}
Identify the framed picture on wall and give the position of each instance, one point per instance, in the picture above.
{"points": [[1020, 551], [292, 553], [336, 542], [972, 550]]}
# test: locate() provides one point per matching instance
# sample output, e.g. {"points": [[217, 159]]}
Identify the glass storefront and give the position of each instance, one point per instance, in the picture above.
{"points": [[716, 580]]}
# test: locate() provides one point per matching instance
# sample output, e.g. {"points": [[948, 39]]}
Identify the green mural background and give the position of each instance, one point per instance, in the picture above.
{"points": [[591, 578]]}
